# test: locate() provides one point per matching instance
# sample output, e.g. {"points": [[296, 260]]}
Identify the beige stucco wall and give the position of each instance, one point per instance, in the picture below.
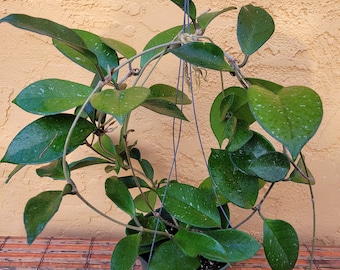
{"points": [[304, 50]]}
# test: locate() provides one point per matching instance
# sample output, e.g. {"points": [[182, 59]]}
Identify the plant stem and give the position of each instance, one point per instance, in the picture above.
{"points": [[131, 227]]}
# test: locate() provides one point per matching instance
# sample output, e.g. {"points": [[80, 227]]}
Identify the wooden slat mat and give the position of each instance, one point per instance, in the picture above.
{"points": [[71, 253]]}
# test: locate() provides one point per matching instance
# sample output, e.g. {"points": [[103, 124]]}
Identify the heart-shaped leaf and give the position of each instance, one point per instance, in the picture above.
{"points": [[238, 245], [271, 167], [238, 188], [43, 140], [119, 103], [281, 244], [206, 55], [250, 152], [292, 115], [205, 245], [254, 27], [52, 96], [190, 205], [120, 195], [125, 252]]}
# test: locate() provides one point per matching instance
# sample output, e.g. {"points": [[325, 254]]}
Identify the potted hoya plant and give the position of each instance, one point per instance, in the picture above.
{"points": [[173, 225]]}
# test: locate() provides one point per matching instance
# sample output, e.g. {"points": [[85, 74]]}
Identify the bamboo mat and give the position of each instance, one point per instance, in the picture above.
{"points": [[72, 253]]}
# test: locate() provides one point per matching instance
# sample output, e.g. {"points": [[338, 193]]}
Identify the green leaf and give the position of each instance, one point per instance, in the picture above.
{"points": [[52, 96], [89, 161], [281, 244], [205, 19], [206, 55], [274, 87], [124, 49], [238, 133], [164, 107], [296, 176], [119, 103], [238, 245], [254, 27], [38, 212], [105, 146], [238, 188], [13, 172], [271, 167], [292, 115], [147, 168], [189, 9], [221, 111], [169, 93], [149, 222], [78, 57], [43, 140], [130, 182], [257, 146], [51, 29], [125, 252], [53, 170], [190, 205], [161, 38], [107, 57], [120, 195], [194, 244], [141, 204], [175, 258]]}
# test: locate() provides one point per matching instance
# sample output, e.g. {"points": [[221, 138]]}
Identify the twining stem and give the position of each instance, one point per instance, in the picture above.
{"points": [[257, 208]]}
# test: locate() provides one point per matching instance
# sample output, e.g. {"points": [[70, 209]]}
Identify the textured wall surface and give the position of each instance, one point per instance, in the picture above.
{"points": [[304, 50]]}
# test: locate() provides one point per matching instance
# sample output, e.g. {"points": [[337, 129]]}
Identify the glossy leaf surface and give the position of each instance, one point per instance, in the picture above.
{"points": [[175, 258], [51, 29], [190, 205], [39, 210], [169, 93], [281, 244], [206, 55], [131, 183], [126, 50], [196, 243], [222, 110], [238, 188], [125, 252], [271, 167], [120, 195], [254, 27], [43, 140], [89, 161], [238, 245], [105, 146], [274, 87], [119, 103], [52, 96], [238, 133], [292, 115], [164, 107], [257, 146], [205, 19]]}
